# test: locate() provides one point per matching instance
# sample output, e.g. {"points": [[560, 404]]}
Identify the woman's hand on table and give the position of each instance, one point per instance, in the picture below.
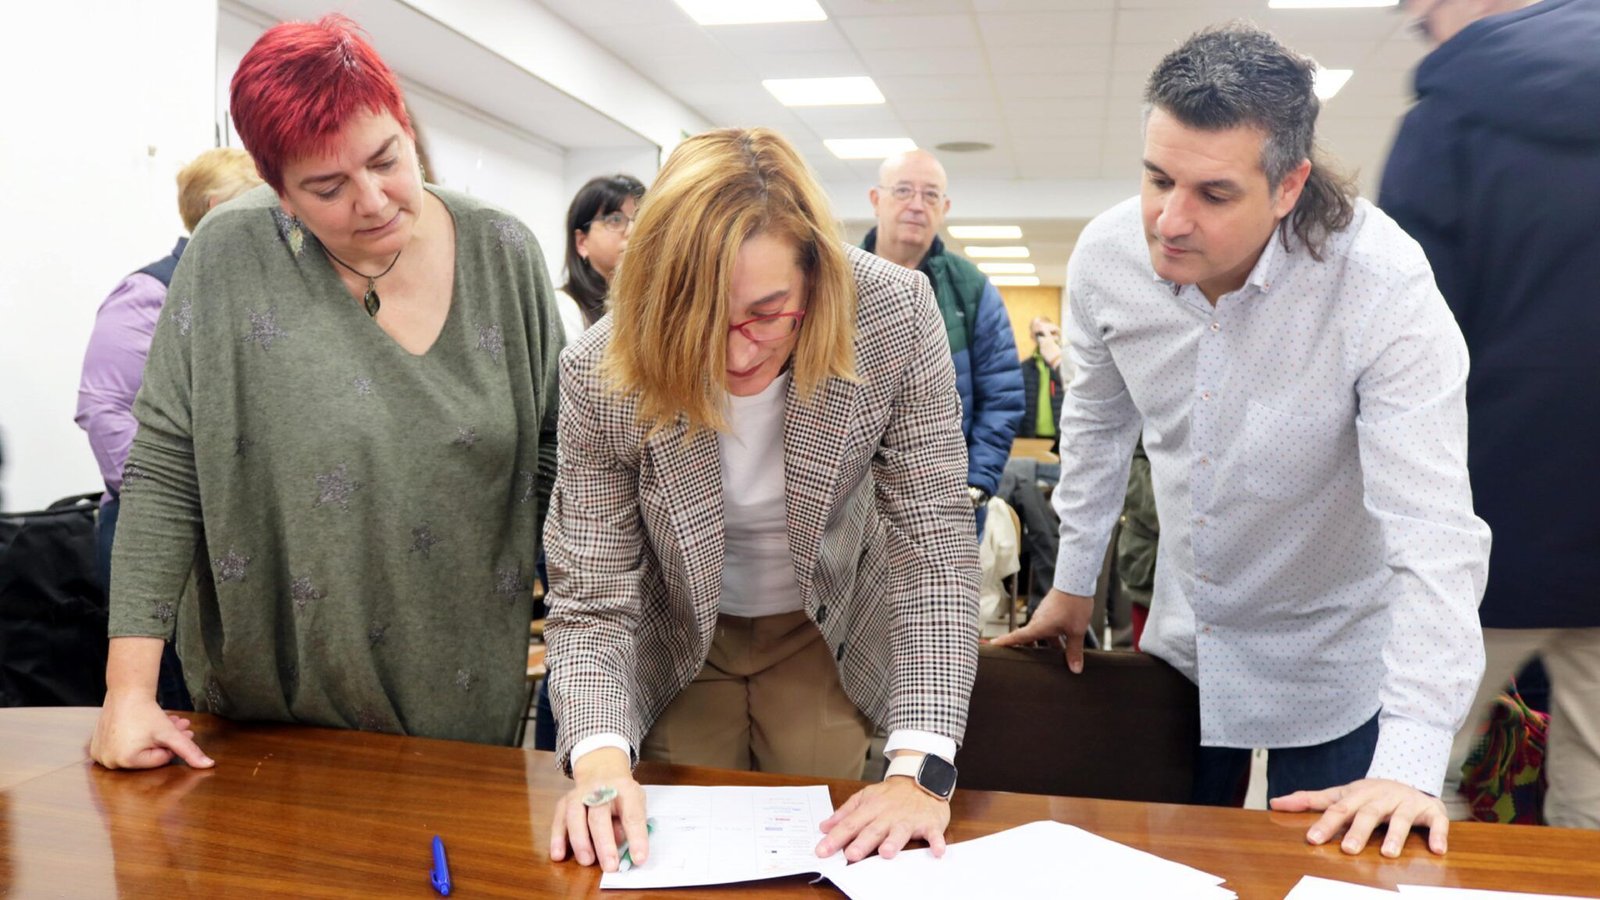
{"points": [[594, 833], [134, 733], [883, 817]]}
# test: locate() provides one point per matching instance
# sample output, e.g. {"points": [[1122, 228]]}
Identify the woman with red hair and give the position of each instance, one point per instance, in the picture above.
{"points": [[346, 434]]}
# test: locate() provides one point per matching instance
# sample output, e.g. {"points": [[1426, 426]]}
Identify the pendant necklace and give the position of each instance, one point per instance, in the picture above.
{"points": [[370, 298]]}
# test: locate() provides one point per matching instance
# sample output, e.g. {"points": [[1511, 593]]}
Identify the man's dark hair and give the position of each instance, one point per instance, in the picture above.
{"points": [[1235, 75]]}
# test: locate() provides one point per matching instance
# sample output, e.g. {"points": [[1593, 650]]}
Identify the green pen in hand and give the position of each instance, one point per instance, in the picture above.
{"points": [[626, 862]]}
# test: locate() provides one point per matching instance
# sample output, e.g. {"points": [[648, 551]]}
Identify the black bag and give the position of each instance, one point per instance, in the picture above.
{"points": [[53, 608]]}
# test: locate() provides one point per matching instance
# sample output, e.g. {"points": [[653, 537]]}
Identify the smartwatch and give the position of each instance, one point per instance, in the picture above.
{"points": [[935, 775], [977, 495]]}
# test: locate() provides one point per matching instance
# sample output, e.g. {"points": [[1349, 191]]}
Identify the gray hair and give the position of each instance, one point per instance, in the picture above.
{"points": [[1235, 75]]}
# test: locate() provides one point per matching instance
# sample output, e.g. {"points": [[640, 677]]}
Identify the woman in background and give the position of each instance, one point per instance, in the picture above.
{"points": [[345, 432], [598, 222], [113, 365]]}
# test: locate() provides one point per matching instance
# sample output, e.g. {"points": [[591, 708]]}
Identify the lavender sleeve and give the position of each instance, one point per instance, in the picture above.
{"points": [[113, 369]]}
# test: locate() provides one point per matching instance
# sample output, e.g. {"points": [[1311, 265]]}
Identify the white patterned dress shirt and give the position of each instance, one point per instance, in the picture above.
{"points": [[1319, 557]]}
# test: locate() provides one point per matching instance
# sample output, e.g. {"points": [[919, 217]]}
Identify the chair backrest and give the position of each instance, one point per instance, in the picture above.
{"points": [[1125, 729], [53, 608]]}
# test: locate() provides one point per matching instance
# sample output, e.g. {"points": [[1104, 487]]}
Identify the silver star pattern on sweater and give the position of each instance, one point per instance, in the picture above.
{"points": [[264, 329], [289, 229], [422, 540], [528, 481], [132, 474], [303, 592], [213, 694], [508, 583], [512, 234], [363, 387], [165, 611], [183, 314], [231, 566], [242, 445], [375, 635], [466, 436], [464, 679], [336, 487], [491, 341]]}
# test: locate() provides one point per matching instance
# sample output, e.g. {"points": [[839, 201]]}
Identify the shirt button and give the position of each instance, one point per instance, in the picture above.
{"points": [[1200, 521], [1206, 578], [1216, 326], [1206, 630], [1205, 460], [822, 613], [1205, 395]]}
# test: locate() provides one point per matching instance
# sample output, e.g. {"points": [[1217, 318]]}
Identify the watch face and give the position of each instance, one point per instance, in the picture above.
{"points": [[937, 776]]}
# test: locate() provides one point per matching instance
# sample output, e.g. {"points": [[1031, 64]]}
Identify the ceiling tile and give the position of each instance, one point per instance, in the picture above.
{"points": [[913, 107], [949, 62], [1025, 86], [910, 32], [1048, 60], [929, 87], [841, 9], [1002, 31]]}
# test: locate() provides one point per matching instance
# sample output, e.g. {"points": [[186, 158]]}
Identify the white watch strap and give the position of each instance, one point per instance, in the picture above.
{"points": [[906, 764]]}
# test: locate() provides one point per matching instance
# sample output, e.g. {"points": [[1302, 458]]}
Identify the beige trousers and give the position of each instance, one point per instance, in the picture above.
{"points": [[1572, 757], [767, 700]]}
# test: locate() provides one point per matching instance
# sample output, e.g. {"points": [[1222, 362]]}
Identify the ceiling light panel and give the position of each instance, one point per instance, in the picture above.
{"points": [[1329, 81], [986, 232], [1006, 268], [850, 91], [997, 252], [868, 148], [752, 12]]}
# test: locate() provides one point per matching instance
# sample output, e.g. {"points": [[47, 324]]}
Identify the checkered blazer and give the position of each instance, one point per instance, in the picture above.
{"points": [[879, 524]]}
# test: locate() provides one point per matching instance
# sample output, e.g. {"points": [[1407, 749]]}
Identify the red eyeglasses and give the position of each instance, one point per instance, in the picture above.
{"points": [[765, 329]]}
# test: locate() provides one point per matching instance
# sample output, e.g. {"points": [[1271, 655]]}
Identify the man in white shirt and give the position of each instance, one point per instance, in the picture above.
{"points": [[1299, 384]]}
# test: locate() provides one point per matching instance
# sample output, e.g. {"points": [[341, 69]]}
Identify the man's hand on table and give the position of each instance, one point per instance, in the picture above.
{"points": [[1361, 806]]}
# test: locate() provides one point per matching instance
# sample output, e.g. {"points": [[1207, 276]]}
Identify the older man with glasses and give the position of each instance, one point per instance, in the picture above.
{"points": [[911, 204]]}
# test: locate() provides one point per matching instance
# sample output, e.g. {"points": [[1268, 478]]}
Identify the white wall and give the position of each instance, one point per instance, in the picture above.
{"points": [[98, 119]]}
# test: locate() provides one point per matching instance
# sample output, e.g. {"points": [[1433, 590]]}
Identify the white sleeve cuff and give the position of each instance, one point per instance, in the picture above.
{"points": [[1411, 753], [921, 742], [596, 741]]}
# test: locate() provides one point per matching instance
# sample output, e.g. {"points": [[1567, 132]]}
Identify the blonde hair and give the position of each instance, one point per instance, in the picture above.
{"points": [[211, 178], [670, 308]]}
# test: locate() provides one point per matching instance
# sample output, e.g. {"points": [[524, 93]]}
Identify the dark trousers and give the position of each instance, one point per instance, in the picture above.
{"points": [[544, 721], [1222, 774], [171, 692]]}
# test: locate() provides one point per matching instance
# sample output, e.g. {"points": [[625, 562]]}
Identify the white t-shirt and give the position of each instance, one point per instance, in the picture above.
{"points": [[571, 315], [758, 570]]}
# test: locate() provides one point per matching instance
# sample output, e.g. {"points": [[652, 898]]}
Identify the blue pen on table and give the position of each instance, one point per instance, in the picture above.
{"points": [[441, 868], [627, 861]]}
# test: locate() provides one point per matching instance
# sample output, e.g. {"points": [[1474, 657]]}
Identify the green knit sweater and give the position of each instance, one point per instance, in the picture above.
{"points": [[344, 533]]}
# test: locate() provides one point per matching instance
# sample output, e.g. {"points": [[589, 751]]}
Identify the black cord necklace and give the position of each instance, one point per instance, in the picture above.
{"points": [[370, 298]]}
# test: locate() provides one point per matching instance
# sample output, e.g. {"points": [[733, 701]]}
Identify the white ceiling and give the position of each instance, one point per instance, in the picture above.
{"points": [[1054, 85]]}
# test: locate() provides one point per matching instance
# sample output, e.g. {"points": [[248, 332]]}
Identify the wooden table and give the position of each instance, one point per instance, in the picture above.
{"points": [[307, 812]]}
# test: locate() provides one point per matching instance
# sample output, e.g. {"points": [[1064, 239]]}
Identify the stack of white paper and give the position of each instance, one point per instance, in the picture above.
{"points": [[1040, 859], [1312, 888]]}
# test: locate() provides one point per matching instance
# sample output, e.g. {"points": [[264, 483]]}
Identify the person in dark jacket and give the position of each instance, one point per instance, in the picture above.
{"points": [[1041, 382], [911, 204], [1496, 173]]}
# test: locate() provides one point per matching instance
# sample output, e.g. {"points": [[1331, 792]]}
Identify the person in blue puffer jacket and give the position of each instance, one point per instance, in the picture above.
{"points": [[911, 204]]}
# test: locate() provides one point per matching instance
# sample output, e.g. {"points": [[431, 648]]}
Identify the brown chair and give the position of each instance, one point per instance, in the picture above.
{"points": [[1125, 729]]}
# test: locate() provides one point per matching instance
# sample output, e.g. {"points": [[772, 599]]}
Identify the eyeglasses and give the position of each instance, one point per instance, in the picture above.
{"points": [[763, 329], [904, 192], [617, 221]]}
